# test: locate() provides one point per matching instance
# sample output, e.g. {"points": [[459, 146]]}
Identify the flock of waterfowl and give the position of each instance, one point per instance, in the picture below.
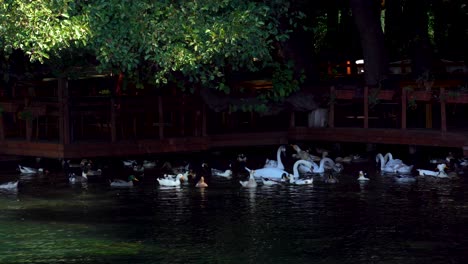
{"points": [[272, 172]]}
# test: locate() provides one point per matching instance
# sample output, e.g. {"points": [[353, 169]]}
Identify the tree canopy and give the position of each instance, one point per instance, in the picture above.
{"points": [[200, 42], [152, 40]]}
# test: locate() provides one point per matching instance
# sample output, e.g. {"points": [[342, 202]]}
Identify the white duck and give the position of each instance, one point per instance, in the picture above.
{"points": [[251, 182], [276, 163], [9, 185], [122, 183], [440, 173], [362, 177], [149, 164], [89, 172], [129, 163], [201, 183], [219, 173], [170, 182], [73, 178], [28, 170]]}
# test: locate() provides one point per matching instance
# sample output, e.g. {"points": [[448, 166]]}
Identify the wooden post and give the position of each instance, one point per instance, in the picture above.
{"points": [[204, 116], [331, 112], [292, 119], [404, 94], [161, 117], [428, 115], [29, 125], [366, 107], [113, 119], [2, 128], [443, 114], [64, 111], [182, 117]]}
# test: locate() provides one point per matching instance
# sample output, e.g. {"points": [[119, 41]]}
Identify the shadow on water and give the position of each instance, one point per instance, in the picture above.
{"points": [[385, 220]]}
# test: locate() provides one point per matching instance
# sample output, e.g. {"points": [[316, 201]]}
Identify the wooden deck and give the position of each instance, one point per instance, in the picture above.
{"points": [[194, 144], [66, 126]]}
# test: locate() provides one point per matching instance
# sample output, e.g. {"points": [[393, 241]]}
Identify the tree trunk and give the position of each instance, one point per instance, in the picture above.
{"points": [[366, 15], [393, 28], [417, 28]]}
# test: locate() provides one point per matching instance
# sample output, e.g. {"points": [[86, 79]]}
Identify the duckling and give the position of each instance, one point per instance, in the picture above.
{"points": [[201, 183], [331, 179]]}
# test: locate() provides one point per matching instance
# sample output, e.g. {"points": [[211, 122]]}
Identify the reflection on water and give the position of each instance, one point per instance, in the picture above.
{"points": [[385, 220]]}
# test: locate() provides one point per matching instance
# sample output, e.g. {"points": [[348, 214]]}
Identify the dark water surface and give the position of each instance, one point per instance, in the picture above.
{"points": [[385, 220]]}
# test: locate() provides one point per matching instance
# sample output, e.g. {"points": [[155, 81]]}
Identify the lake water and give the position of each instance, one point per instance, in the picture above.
{"points": [[385, 220]]}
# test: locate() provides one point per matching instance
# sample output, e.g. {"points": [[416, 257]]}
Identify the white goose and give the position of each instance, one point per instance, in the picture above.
{"points": [[251, 182], [169, 181], [276, 163], [440, 173]]}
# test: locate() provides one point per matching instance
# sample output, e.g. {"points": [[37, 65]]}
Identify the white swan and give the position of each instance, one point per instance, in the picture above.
{"points": [[9, 185], [321, 168], [390, 161], [201, 183], [276, 163], [440, 173], [268, 182], [169, 181], [270, 173], [403, 168], [251, 182], [384, 165], [122, 183], [362, 176], [397, 164]]}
